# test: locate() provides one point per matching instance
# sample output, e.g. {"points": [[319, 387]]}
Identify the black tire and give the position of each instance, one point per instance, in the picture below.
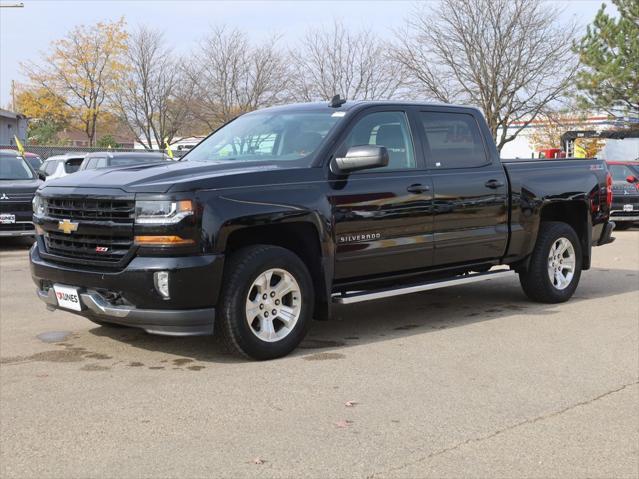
{"points": [[241, 270], [536, 281], [621, 226]]}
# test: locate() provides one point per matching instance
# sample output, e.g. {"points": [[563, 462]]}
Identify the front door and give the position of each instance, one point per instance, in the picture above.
{"points": [[383, 216]]}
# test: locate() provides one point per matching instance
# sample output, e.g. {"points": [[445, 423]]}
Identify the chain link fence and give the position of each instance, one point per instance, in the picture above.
{"points": [[45, 152]]}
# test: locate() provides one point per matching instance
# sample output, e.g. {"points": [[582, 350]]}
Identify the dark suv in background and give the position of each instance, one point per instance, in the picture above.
{"points": [[18, 183]]}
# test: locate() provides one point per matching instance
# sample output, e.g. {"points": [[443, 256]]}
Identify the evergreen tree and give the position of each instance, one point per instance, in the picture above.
{"points": [[609, 53]]}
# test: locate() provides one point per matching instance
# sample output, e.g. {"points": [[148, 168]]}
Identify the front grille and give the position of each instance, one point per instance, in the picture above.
{"points": [[22, 226], [119, 211], [104, 236], [88, 246], [16, 207]]}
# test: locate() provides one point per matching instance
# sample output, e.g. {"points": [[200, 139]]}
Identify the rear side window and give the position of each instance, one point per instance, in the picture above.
{"points": [[73, 165], [453, 140]]}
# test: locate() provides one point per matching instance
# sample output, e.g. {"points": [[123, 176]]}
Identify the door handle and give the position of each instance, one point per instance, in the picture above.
{"points": [[494, 184], [417, 188]]}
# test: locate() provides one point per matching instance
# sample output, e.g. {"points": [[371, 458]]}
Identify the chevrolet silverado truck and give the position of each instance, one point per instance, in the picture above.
{"points": [[283, 212]]}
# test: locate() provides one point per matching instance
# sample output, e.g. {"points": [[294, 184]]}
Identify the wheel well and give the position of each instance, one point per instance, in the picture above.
{"points": [[300, 238], [576, 215]]}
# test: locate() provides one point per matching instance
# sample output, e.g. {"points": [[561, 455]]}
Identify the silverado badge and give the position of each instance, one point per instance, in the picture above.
{"points": [[67, 226]]}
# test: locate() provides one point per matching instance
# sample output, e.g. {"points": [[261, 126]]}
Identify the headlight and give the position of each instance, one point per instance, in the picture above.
{"points": [[38, 204], [162, 212]]}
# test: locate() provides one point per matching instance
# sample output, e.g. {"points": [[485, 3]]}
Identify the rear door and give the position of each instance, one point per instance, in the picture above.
{"points": [[382, 217], [470, 185]]}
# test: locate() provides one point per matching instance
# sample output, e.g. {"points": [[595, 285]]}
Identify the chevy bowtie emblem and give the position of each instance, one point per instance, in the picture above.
{"points": [[67, 226], [4, 196]]}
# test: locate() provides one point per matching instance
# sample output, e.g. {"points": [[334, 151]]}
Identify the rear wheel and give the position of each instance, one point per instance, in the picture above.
{"points": [[555, 264], [267, 302]]}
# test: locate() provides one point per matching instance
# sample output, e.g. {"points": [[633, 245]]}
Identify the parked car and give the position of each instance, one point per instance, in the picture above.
{"points": [[105, 159], [18, 183], [284, 212], [61, 165], [625, 193]]}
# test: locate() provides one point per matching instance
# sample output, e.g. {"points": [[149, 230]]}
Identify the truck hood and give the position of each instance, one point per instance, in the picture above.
{"points": [[18, 189], [162, 177]]}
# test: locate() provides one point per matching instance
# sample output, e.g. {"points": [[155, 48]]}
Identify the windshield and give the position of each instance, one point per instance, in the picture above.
{"points": [[621, 172], [268, 136], [14, 168]]}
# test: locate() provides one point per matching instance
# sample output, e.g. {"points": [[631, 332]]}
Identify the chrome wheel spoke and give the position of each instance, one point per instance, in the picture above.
{"points": [[267, 330], [287, 315]]}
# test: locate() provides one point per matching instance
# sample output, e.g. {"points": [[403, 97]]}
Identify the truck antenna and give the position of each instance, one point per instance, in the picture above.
{"points": [[336, 102]]}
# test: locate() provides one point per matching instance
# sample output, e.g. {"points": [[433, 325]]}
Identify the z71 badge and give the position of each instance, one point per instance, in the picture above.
{"points": [[359, 237]]}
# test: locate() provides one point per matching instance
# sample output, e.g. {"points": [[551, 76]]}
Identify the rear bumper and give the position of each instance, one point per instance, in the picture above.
{"points": [[129, 296]]}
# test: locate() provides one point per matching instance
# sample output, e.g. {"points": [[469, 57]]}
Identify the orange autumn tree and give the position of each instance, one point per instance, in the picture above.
{"points": [[83, 69], [552, 124]]}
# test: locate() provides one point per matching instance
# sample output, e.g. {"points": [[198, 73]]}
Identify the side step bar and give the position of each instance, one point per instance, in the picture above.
{"points": [[359, 296]]}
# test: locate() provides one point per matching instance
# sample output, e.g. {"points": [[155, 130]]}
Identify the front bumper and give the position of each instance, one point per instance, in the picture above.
{"points": [[128, 297], [623, 216], [190, 322], [19, 228]]}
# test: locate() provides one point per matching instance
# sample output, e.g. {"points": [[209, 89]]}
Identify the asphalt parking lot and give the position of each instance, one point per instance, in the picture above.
{"points": [[471, 381]]}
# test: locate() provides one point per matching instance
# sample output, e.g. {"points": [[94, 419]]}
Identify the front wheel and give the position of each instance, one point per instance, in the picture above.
{"points": [[555, 264], [267, 302]]}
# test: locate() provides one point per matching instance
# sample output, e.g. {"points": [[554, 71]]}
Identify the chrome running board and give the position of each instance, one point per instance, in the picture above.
{"points": [[359, 296]]}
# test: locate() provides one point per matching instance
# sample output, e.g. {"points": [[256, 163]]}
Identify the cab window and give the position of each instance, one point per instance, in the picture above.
{"points": [[453, 140]]}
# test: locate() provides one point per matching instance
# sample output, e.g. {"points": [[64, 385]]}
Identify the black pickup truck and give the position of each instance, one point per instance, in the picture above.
{"points": [[285, 211]]}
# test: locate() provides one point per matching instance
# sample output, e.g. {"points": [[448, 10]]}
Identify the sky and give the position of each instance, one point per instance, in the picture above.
{"points": [[25, 32]]}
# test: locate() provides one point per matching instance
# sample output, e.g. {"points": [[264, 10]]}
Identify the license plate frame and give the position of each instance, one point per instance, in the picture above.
{"points": [[7, 219], [68, 297]]}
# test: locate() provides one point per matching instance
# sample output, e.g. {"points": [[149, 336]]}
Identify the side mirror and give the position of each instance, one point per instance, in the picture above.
{"points": [[631, 179], [361, 157], [42, 175]]}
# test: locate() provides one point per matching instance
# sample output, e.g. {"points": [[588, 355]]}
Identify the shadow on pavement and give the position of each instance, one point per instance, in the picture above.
{"points": [[397, 317]]}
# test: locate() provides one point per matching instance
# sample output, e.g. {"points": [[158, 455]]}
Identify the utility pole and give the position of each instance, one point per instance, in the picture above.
{"points": [[13, 95]]}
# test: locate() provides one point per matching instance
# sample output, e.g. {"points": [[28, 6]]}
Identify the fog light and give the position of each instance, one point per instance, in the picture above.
{"points": [[161, 280]]}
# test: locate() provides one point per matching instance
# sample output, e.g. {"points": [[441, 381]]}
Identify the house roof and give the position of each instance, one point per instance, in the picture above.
{"points": [[12, 115]]}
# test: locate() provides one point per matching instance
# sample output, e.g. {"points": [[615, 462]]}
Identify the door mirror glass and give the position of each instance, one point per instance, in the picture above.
{"points": [[362, 157]]}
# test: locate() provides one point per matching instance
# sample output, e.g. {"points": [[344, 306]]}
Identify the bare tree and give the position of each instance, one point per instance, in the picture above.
{"points": [[231, 76], [151, 99], [511, 58], [338, 61]]}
